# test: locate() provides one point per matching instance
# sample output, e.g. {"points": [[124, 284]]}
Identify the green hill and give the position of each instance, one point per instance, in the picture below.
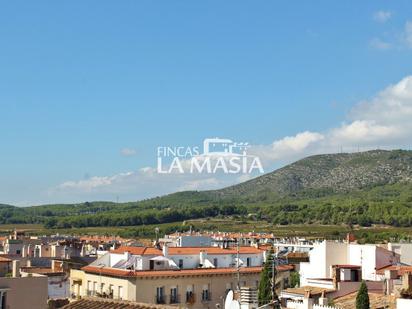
{"points": [[331, 173], [357, 188]]}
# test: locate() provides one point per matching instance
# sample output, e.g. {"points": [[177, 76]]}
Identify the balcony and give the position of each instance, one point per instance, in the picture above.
{"points": [[190, 298], [174, 299], [206, 296], [160, 300]]}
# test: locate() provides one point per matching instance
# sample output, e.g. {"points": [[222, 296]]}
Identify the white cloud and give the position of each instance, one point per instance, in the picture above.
{"points": [[384, 121], [377, 43], [128, 152], [391, 106], [398, 40], [382, 16], [361, 131], [287, 147], [407, 36]]}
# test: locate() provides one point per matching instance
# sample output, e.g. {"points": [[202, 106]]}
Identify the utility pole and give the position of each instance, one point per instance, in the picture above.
{"points": [[273, 279], [273, 285], [238, 265]]}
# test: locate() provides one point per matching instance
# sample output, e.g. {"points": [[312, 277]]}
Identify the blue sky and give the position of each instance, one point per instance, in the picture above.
{"points": [[80, 81]]}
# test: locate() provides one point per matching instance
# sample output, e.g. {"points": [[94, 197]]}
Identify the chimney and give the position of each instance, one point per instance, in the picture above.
{"points": [[202, 257], [323, 300], [83, 250], [165, 250], [16, 269], [307, 300], [126, 255], [350, 238]]}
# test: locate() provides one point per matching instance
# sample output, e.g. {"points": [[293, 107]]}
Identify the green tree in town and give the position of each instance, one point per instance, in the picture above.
{"points": [[362, 298], [265, 283], [294, 279]]}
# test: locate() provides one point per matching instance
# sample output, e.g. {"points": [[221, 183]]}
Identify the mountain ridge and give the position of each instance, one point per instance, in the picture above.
{"points": [[313, 190], [341, 172]]}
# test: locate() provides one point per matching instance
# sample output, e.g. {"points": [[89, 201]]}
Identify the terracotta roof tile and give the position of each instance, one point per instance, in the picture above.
{"points": [[41, 270], [138, 250], [162, 273], [184, 272], [401, 269], [94, 303]]}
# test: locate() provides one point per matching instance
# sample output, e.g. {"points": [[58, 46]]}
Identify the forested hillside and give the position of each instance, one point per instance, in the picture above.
{"points": [[366, 188]]}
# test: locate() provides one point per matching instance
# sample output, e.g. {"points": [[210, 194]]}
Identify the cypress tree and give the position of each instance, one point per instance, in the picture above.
{"points": [[265, 285], [362, 298]]}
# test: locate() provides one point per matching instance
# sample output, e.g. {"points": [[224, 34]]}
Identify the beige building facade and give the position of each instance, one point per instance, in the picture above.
{"points": [[191, 288], [203, 288], [23, 293]]}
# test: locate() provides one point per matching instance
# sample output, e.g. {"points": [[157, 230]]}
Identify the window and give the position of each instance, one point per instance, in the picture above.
{"points": [[354, 275], [248, 262], [111, 290], [205, 293], [181, 263], [18, 252], [160, 295], [89, 287], [173, 295], [2, 299], [151, 265], [190, 296], [215, 262], [120, 292]]}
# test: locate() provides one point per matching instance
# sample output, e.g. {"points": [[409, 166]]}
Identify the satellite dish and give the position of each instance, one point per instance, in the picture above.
{"points": [[228, 300]]}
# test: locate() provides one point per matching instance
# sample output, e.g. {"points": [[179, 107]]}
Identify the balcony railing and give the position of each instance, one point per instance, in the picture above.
{"points": [[160, 299], [206, 296], [190, 298], [174, 299]]}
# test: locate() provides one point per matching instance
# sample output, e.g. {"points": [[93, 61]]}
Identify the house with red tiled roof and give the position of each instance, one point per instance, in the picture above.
{"points": [[93, 303], [189, 276]]}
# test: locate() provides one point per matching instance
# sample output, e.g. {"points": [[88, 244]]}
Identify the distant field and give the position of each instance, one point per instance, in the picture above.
{"points": [[370, 234], [26, 227]]}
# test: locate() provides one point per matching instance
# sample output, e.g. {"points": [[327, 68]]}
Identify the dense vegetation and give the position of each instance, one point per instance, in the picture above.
{"points": [[291, 195]]}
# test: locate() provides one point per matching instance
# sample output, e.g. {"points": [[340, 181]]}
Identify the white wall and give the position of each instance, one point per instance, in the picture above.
{"points": [[58, 287], [364, 255], [370, 257], [402, 303], [405, 251], [321, 258], [223, 260]]}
